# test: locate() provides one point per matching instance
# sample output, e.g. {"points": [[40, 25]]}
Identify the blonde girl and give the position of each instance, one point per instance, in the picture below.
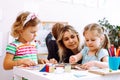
{"points": [[23, 51], [94, 54]]}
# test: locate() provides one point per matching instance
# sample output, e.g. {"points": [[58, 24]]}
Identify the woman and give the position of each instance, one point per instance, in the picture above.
{"points": [[68, 43]]}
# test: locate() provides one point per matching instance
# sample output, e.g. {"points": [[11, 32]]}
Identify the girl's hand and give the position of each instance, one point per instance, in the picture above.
{"points": [[26, 62], [43, 61], [53, 61], [72, 59], [88, 65]]}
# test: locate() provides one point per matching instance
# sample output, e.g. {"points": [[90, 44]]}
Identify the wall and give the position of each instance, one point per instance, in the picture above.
{"points": [[9, 11], [76, 15]]}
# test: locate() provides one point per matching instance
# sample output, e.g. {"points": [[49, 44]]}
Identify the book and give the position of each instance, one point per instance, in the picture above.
{"points": [[105, 71]]}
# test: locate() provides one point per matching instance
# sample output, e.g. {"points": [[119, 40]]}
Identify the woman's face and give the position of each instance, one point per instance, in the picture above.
{"points": [[70, 40]]}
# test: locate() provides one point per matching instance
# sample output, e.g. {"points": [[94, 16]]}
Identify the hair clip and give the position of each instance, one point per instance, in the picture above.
{"points": [[31, 16]]}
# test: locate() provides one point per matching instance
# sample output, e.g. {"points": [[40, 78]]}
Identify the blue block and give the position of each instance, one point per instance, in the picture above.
{"points": [[43, 69]]}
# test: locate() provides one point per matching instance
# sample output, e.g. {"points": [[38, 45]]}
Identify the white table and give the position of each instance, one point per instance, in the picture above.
{"points": [[82, 75]]}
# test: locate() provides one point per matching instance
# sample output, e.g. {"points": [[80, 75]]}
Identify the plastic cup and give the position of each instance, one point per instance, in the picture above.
{"points": [[114, 63], [67, 67]]}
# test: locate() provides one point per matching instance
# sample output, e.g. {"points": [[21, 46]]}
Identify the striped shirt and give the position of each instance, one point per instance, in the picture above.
{"points": [[21, 51]]}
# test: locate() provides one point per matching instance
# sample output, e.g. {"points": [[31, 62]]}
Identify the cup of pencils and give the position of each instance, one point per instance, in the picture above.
{"points": [[114, 58]]}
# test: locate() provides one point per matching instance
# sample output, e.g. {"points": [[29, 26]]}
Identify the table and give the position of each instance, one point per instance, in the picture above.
{"points": [[73, 75]]}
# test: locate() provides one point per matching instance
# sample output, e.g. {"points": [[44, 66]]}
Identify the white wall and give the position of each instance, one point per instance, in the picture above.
{"points": [[9, 11], [76, 15]]}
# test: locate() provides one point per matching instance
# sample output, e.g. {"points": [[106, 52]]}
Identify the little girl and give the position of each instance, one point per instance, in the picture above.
{"points": [[23, 51], [94, 54]]}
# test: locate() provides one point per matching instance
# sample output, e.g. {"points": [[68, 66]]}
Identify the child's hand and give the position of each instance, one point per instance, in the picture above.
{"points": [[43, 61], [26, 62], [53, 61], [88, 65], [72, 59]]}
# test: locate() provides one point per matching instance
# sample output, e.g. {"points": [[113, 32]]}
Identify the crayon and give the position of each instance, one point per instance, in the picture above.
{"points": [[118, 52]]}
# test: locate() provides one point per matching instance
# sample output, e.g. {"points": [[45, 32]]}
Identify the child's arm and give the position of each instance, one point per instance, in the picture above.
{"points": [[103, 63], [9, 63], [75, 58], [99, 64]]}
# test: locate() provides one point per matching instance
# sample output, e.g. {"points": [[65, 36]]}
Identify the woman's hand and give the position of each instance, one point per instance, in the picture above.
{"points": [[53, 61]]}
